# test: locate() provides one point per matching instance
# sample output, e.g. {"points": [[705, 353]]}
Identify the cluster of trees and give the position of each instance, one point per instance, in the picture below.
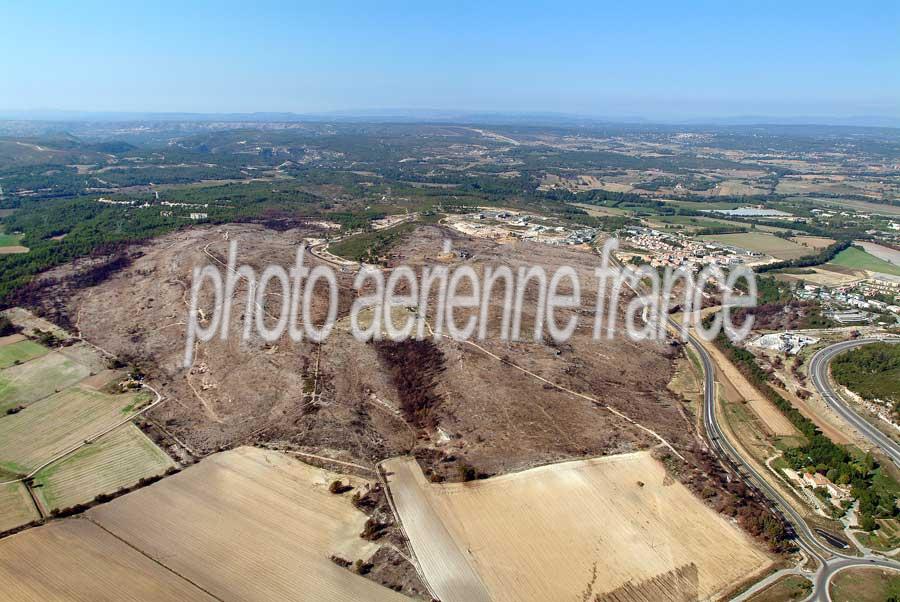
{"points": [[370, 247], [7, 327], [413, 366], [721, 230], [819, 453], [823, 256], [871, 371]]}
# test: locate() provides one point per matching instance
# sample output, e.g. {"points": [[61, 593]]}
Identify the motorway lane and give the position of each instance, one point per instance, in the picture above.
{"points": [[724, 448], [818, 373], [830, 561]]}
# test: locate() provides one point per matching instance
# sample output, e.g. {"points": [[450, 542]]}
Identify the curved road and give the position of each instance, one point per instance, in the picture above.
{"points": [[818, 373], [830, 561]]}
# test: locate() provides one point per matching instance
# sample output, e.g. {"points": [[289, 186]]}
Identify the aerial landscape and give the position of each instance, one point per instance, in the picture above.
{"points": [[553, 331]]}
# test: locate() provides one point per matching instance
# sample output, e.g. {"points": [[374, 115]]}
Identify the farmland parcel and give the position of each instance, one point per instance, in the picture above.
{"points": [[250, 508], [614, 525]]}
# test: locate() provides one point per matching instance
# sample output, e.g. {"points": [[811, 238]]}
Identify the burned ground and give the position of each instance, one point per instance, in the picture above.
{"points": [[347, 398]]}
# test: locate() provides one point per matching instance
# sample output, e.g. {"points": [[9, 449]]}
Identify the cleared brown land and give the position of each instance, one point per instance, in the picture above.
{"points": [[10, 339], [558, 532], [827, 276], [494, 417], [77, 560], [119, 459], [16, 507], [249, 524], [770, 415], [814, 242], [806, 408], [30, 322]]}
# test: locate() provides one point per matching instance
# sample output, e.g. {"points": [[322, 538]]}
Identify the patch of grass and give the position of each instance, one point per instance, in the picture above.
{"points": [[20, 353], [370, 247], [788, 589], [9, 240], [858, 259], [885, 537], [865, 585]]}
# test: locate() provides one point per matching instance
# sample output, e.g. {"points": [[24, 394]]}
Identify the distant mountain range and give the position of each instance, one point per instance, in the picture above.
{"points": [[449, 116]]}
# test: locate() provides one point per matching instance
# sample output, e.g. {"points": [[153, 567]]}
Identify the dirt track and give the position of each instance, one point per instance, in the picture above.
{"points": [[492, 416]]}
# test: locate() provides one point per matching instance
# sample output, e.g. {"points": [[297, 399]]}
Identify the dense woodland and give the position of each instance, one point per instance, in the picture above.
{"points": [[871, 371], [876, 491]]}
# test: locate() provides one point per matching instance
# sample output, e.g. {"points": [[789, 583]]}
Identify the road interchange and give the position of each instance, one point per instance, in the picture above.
{"points": [[830, 561]]}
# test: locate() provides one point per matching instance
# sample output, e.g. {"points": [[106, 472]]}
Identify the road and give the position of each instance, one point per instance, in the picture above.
{"points": [[818, 373], [830, 561]]}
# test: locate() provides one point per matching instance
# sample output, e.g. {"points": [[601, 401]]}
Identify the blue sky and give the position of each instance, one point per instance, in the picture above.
{"points": [[656, 59]]}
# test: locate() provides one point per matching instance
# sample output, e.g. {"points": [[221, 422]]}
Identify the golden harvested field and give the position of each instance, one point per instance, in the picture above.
{"points": [[737, 188], [596, 210], [119, 459], [58, 423], [813, 242], [76, 560], [769, 244], [826, 276], [34, 380], [250, 524], [10, 339], [16, 508], [617, 524]]}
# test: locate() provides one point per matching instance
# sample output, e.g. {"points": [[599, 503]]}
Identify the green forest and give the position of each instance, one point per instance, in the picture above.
{"points": [[871, 371]]}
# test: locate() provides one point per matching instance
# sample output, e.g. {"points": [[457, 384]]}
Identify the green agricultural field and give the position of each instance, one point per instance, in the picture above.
{"points": [[695, 222], [119, 459], [860, 260], [21, 352], [761, 242], [59, 423], [26, 383], [8, 240], [16, 507]]}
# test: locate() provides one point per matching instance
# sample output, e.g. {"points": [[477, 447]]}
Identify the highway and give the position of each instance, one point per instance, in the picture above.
{"points": [[818, 373], [830, 561]]}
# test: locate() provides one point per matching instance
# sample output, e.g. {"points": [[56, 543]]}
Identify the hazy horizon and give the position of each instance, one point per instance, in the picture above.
{"points": [[654, 62]]}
